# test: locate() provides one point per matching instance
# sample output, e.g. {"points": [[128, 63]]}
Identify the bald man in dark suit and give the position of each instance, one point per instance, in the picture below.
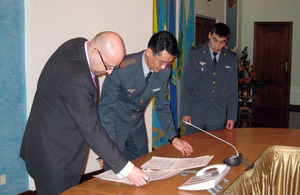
{"points": [[64, 120]]}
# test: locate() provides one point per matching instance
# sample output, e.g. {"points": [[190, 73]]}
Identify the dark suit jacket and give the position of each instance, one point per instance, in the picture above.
{"points": [[64, 122], [209, 94], [124, 98]]}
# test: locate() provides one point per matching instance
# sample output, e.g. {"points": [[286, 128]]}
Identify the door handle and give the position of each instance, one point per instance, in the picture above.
{"points": [[286, 66]]}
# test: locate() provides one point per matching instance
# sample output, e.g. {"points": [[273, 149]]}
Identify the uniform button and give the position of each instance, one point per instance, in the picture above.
{"points": [[214, 82], [213, 91], [214, 73], [142, 101], [212, 100], [133, 116], [137, 110]]}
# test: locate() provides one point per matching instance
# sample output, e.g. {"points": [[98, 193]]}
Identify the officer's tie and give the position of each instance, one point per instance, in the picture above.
{"points": [[215, 59], [148, 77]]}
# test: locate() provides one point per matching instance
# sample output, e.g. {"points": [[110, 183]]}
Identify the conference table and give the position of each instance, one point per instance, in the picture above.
{"points": [[251, 142]]}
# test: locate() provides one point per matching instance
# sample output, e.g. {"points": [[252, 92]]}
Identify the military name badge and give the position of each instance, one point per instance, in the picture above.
{"points": [[157, 89], [227, 67], [202, 65]]}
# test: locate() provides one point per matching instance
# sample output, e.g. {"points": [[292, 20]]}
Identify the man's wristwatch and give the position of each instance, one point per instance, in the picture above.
{"points": [[172, 138]]}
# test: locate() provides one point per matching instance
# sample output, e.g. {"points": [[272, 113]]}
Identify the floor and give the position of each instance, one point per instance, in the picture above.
{"points": [[294, 120]]}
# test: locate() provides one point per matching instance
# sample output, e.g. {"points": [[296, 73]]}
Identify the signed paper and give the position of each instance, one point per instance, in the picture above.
{"points": [[163, 163], [159, 168], [153, 174]]}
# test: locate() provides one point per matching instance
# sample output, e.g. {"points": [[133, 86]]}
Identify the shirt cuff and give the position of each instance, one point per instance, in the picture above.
{"points": [[126, 170]]}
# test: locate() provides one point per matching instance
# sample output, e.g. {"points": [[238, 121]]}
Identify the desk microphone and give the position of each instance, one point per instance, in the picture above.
{"points": [[234, 160]]}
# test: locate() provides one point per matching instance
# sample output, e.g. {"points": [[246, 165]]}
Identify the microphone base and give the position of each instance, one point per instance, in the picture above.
{"points": [[233, 160]]}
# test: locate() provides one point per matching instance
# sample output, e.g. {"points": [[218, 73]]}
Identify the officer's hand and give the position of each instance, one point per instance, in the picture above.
{"points": [[184, 147], [230, 124], [138, 177], [187, 119]]}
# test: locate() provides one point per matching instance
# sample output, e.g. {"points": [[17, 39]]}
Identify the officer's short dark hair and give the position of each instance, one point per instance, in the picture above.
{"points": [[221, 29], [163, 40]]}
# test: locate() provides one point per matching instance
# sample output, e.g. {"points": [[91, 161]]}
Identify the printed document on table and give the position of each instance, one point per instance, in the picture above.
{"points": [[163, 163], [153, 174]]}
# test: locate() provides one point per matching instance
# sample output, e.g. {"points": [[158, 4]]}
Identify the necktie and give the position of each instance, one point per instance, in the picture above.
{"points": [[215, 59], [95, 80], [148, 77]]}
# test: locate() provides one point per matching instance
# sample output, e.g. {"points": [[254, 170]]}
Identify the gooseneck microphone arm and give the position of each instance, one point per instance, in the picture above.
{"points": [[190, 124], [232, 160]]}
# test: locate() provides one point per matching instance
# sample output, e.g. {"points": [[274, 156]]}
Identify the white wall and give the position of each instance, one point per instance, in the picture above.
{"points": [[50, 23], [212, 9]]}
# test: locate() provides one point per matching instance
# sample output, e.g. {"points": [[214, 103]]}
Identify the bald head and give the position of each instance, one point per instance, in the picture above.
{"points": [[105, 51], [111, 46]]}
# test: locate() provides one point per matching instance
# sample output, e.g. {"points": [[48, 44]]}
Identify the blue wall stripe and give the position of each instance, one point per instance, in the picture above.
{"points": [[12, 95]]}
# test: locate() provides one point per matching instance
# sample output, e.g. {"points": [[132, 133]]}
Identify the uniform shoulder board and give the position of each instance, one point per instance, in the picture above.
{"points": [[231, 51], [194, 47], [128, 62]]}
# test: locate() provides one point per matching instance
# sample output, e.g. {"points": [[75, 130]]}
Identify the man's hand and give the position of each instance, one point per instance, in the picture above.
{"points": [[230, 124], [184, 147], [187, 119], [101, 162], [138, 177]]}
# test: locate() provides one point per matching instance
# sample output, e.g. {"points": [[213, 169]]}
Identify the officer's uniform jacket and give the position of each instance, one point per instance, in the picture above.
{"points": [[208, 92], [124, 98]]}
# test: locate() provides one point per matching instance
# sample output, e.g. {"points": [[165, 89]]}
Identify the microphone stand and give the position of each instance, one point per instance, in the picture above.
{"points": [[234, 160]]}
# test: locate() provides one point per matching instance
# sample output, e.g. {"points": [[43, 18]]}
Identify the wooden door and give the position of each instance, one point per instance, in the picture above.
{"points": [[272, 58], [203, 26]]}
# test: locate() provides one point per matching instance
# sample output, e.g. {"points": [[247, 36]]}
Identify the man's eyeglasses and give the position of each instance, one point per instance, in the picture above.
{"points": [[164, 63], [107, 67], [161, 62]]}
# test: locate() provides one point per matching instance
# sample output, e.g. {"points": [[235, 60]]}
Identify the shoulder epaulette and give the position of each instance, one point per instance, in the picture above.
{"points": [[128, 62]]}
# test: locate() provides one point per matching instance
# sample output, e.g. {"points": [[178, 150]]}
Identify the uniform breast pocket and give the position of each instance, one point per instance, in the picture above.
{"points": [[226, 72], [198, 75]]}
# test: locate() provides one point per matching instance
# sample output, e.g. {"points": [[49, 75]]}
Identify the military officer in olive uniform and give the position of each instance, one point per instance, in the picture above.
{"points": [[209, 95], [127, 92]]}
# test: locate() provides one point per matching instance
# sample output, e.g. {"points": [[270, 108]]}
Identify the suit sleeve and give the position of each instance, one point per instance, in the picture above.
{"points": [[80, 103], [164, 112], [186, 86], [108, 103], [232, 104]]}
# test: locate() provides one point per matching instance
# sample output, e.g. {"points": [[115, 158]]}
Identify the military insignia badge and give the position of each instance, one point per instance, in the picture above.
{"points": [[202, 65], [130, 90]]}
